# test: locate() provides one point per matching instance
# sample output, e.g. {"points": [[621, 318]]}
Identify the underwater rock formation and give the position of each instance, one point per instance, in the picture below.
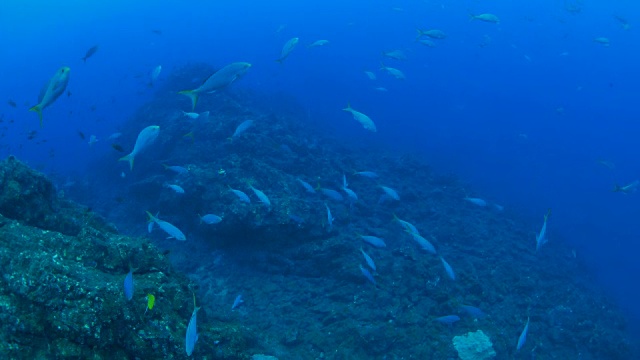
{"points": [[299, 267], [61, 291]]}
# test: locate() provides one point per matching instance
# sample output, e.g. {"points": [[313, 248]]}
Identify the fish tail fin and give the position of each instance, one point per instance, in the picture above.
{"points": [[420, 33], [37, 109], [279, 61], [189, 135], [128, 158], [191, 94], [151, 217], [616, 188], [546, 216], [348, 108]]}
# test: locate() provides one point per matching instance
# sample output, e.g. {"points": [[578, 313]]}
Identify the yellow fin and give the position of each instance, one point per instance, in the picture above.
{"points": [[38, 110], [128, 158], [191, 94]]}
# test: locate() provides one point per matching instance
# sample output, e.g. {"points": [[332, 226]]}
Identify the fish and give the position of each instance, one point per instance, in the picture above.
{"points": [[623, 22], [146, 137], [52, 90], [192, 334], [262, 197], [374, 241], [448, 319], [363, 119], [307, 186], [117, 147], [332, 194], [602, 41], [627, 189], [237, 302], [177, 188], [476, 201], [368, 275], [128, 284], [448, 269], [395, 54], [473, 311], [151, 300], [12, 103], [318, 43], [432, 33], [523, 336], [217, 81], [210, 219], [242, 128], [114, 136], [92, 140], [155, 73], [241, 195], [408, 227], [490, 18], [369, 260], [367, 174], [351, 194], [370, 75], [427, 43], [541, 237], [190, 115], [167, 227], [393, 72], [287, 49], [329, 218], [390, 192], [424, 243], [90, 52]]}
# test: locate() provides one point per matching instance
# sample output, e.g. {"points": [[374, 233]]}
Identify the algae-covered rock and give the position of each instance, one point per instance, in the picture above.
{"points": [[61, 296]]}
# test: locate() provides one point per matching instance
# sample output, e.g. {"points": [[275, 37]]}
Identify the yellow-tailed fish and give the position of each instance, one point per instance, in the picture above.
{"points": [[52, 90], [287, 49], [363, 119], [217, 81], [146, 137]]}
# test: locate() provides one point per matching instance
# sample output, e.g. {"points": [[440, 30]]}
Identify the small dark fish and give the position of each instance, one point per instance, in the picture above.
{"points": [[68, 93], [92, 50], [128, 285], [156, 31], [12, 103], [93, 107], [117, 147], [32, 135], [81, 134]]}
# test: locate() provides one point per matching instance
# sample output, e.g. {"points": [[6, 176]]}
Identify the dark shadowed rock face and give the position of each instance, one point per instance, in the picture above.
{"points": [[29, 197]]}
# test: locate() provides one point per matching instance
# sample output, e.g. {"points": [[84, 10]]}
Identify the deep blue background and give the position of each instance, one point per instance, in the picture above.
{"points": [[523, 120]]}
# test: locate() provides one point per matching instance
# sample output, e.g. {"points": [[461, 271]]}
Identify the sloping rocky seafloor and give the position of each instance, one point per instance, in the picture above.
{"points": [[305, 296]]}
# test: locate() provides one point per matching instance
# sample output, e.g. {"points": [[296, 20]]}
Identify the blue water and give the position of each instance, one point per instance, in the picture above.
{"points": [[524, 119]]}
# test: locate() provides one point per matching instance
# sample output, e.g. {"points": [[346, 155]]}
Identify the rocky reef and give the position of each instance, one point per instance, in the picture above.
{"points": [[297, 267], [61, 293]]}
